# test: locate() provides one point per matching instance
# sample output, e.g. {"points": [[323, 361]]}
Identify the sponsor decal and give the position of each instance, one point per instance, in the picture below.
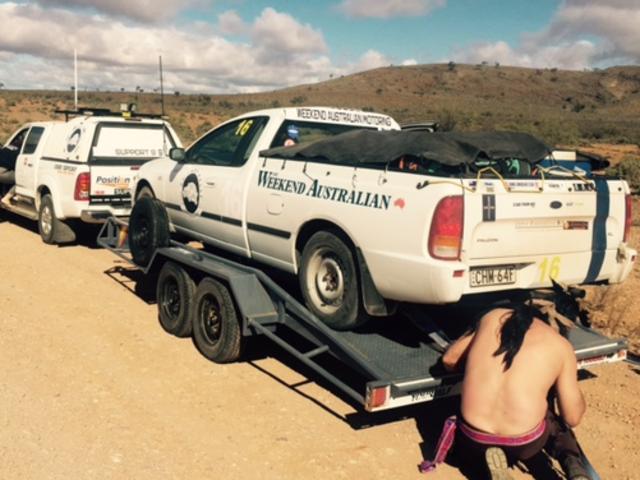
{"points": [[584, 187], [74, 140], [524, 204], [344, 116], [65, 169], [316, 189], [488, 208], [400, 203], [138, 152], [191, 193], [114, 181]]}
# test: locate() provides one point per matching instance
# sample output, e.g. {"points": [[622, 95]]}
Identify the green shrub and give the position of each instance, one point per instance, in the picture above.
{"points": [[629, 169]]}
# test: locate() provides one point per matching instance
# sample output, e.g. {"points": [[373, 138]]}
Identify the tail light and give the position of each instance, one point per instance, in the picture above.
{"points": [[83, 184], [445, 236], [627, 217]]}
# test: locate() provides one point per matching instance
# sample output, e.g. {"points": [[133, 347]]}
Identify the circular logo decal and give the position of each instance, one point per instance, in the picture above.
{"points": [[191, 193], [73, 140], [555, 204]]}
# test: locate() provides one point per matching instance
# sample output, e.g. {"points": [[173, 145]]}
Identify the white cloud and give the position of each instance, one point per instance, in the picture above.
{"points": [[230, 23], [581, 34], [113, 54], [369, 60], [409, 62], [140, 10], [389, 8]]}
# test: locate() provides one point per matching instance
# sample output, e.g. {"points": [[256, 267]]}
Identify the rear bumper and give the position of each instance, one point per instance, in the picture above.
{"points": [[425, 280], [101, 216]]}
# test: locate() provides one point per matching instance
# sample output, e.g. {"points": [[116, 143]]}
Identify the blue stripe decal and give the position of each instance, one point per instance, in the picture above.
{"points": [[599, 239]]}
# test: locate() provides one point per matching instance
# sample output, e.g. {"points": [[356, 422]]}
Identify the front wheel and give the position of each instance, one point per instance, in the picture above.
{"points": [[329, 281], [216, 327], [148, 229]]}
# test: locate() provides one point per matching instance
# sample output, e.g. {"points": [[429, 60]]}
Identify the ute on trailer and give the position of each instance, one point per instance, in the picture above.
{"points": [[368, 215], [81, 168]]}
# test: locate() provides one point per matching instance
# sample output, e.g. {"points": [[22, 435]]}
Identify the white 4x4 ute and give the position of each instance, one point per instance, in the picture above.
{"points": [[368, 218], [80, 168]]}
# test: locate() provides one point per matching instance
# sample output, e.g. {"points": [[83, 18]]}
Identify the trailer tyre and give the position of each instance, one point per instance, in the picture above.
{"points": [[216, 327], [148, 229], [329, 281], [175, 294]]}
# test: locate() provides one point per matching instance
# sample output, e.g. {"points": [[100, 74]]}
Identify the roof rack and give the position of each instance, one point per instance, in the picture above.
{"points": [[105, 112]]}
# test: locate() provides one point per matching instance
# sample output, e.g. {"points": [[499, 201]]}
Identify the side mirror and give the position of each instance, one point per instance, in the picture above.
{"points": [[178, 155]]}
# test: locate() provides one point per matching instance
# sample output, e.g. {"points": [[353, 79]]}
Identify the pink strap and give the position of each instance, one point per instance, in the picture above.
{"points": [[444, 445]]}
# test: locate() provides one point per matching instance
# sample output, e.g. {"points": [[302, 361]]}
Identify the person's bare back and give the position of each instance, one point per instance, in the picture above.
{"points": [[513, 401]]}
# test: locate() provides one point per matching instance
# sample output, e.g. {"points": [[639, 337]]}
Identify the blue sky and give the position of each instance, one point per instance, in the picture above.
{"points": [[228, 46]]}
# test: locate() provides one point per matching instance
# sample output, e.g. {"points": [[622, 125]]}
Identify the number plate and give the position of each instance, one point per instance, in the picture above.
{"points": [[488, 276]]}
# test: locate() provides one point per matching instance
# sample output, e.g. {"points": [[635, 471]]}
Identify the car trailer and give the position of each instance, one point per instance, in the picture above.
{"points": [[398, 368]]}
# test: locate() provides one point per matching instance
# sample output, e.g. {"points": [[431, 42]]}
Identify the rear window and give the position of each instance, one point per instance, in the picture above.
{"points": [[294, 131], [124, 142]]}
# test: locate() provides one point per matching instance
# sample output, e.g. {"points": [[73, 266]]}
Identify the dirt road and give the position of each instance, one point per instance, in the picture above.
{"points": [[92, 388]]}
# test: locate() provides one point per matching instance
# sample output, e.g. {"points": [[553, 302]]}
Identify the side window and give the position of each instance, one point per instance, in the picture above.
{"points": [[16, 143], [292, 132], [229, 145], [32, 140]]}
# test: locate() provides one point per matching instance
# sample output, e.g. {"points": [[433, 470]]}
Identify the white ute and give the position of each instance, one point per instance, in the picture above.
{"points": [[396, 225], [80, 168]]}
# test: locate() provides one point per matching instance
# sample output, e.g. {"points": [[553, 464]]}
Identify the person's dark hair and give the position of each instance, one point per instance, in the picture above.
{"points": [[514, 329]]}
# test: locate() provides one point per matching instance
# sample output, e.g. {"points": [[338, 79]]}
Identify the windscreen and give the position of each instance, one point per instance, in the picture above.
{"points": [[117, 142]]}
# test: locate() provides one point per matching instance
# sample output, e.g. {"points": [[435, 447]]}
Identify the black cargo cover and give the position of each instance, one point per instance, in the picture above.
{"points": [[362, 147]]}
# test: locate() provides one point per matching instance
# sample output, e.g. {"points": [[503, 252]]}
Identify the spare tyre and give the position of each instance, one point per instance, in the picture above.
{"points": [[148, 229]]}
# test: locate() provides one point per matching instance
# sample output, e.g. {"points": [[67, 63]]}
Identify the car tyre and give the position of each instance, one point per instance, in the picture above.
{"points": [[329, 281], [145, 192], [51, 229], [216, 327], [148, 229], [175, 293]]}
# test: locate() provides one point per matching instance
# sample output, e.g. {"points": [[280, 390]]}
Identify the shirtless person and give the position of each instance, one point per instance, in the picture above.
{"points": [[513, 359]]}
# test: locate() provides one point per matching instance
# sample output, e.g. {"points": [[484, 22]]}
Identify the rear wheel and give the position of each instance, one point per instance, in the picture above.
{"points": [[329, 281], [52, 230], [148, 229], [216, 327], [175, 295]]}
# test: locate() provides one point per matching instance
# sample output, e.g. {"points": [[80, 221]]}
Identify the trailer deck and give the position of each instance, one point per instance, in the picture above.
{"points": [[397, 360]]}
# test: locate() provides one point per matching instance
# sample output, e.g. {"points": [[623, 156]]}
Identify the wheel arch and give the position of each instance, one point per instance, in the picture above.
{"points": [[143, 182], [372, 300]]}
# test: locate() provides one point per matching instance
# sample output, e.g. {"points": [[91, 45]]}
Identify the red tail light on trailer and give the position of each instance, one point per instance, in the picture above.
{"points": [[627, 217], [83, 186], [445, 236]]}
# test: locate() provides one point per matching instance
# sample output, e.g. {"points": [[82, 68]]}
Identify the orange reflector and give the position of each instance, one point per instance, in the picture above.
{"points": [[377, 397], [458, 273]]}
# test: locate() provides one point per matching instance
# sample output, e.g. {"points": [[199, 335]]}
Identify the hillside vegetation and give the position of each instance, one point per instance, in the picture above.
{"points": [[561, 107]]}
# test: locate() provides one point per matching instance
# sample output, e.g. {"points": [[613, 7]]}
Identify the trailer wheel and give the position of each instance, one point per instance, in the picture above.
{"points": [[148, 229], [175, 291], [52, 230], [216, 328], [329, 281]]}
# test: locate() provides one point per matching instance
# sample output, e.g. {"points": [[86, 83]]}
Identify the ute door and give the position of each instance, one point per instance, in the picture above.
{"points": [[217, 174], [26, 164]]}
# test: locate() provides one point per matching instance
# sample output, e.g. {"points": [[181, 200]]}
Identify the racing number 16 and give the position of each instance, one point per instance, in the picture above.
{"points": [[549, 268]]}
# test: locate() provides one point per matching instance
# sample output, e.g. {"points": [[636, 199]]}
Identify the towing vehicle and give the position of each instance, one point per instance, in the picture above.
{"points": [[367, 215], [80, 168], [221, 302]]}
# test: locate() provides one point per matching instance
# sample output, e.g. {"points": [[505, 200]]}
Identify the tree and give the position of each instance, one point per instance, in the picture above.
{"points": [[451, 66]]}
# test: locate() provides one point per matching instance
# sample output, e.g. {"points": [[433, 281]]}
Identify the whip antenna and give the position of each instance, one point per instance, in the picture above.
{"points": [[161, 86]]}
